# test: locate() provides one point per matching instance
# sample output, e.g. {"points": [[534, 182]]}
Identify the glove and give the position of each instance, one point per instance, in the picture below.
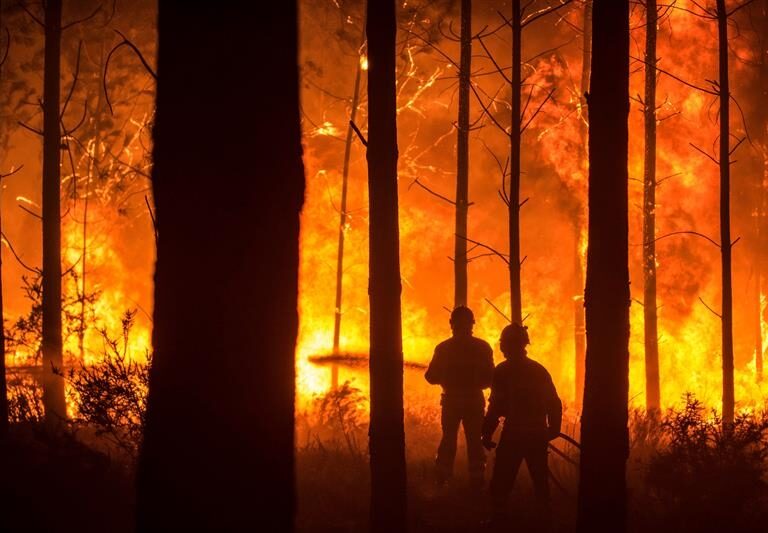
{"points": [[488, 444]]}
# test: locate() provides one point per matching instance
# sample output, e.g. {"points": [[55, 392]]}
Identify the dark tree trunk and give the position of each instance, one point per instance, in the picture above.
{"points": [[580, 340], [3, 383], [602, 499], [219, 440], [53, 382], [387, 434], [652, 387], [515, 291], [725, 215], [462, 158], [343, 216], [761, 182]]}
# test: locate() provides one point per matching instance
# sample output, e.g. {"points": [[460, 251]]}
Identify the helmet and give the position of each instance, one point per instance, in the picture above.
{"points": [[515, 334], [462, 316]]}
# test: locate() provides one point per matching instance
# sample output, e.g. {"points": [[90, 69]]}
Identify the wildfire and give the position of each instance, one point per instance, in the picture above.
{"points": [[553, 221]]}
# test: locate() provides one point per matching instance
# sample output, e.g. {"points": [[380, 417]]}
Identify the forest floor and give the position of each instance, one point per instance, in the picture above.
{"points": [[684, 474]]}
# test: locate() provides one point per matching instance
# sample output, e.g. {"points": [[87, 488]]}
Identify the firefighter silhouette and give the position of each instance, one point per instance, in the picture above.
{"points": [[523, 395], [463, 367]]}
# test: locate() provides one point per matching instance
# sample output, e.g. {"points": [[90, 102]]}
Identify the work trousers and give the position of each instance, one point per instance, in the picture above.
{"points": [[467, 410], [509, 455]]}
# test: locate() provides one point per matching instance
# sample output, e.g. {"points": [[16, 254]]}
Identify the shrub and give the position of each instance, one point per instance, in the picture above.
{"points": [[709, 476]]}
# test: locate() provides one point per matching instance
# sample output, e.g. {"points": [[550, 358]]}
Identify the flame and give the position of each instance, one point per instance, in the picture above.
{"points": [[553, 221]]}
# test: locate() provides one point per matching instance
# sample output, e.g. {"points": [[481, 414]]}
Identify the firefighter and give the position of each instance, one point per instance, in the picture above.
{"points": [[463, 367], [523, 394]]}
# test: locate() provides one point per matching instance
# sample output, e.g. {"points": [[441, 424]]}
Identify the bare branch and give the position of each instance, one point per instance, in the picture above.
{"points": [[493, 60], [503, 257], [691, 85], [715, 161], [543, 13], [20, 261], [696, 233], [487, 111], [23, 208], [718, 315], [538, 110], [359, 133], [151, 216], [430, 191], [12, 172], [498, 310], [89, 17], [74, 81], [128, 43], [30, 128], [7, 48], [738, 7], [31, 15]]}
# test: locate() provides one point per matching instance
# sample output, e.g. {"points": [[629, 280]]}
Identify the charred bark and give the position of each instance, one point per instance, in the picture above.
{"points": [[387, 434], [515, 134], [725, 216], [53, 382], [462, 158], [761, 196], [220, 416], [3, 383], [579, 338], [650, 317], [602, 499]]}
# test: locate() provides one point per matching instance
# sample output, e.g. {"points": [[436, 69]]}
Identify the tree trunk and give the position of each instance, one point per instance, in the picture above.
{"points": [[387, 434], [218, 450], [602, 499], [515, 291], [725, 215], [53, 383], [462, 158], [652, 386], [761, 182], [580, 340], [343, 215], [4, 422]]}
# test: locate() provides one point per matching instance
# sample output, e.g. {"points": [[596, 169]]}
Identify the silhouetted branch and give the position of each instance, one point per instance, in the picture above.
{"points": [[128, 43], [696, 233], [493, 60], [498, 310], [681, 80], [487, 111], [7, 48], [430, 191], [74, 81], [718, 315], [30, 128], [12, 172], [13, 251], [715, 161], [29, 211], [538, 110], [359, 133], [562, 454], [151, 216], [504, 257], [32, 15], [543, 13], [85, 19]]}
